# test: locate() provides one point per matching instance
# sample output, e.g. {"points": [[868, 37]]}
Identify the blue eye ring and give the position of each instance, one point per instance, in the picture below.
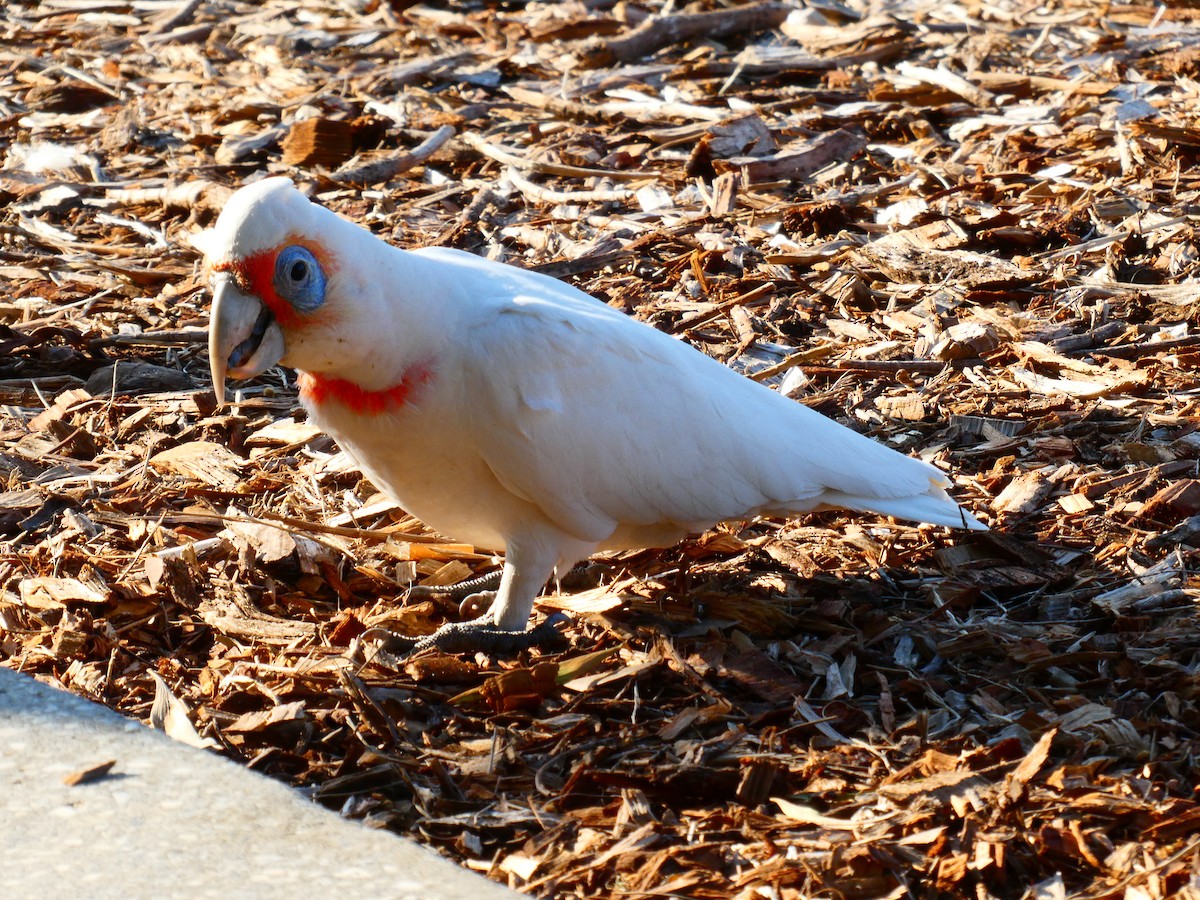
{"points": [[299, 278]]}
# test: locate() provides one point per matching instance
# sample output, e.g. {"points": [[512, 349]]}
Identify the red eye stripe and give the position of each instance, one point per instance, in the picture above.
{"points": [[259, 271], [255, 275]]}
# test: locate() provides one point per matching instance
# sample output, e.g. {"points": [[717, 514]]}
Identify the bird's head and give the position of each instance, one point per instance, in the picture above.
{"points": [[273, 269]]}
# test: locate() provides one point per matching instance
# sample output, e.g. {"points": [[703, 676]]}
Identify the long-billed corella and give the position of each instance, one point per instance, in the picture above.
{"points": [[515, 412]]}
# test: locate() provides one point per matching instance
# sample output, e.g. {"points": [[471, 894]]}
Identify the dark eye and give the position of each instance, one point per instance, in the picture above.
{"points": [[299, 278]]}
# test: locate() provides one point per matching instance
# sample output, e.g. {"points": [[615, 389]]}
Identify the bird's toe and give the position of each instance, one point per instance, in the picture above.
{"points": [[482, 635], [456, 593]]}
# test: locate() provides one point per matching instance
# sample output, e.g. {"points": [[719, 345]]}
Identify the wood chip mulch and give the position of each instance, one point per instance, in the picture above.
{"points": [[967, 229]]}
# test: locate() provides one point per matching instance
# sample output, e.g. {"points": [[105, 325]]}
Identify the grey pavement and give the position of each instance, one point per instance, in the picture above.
{"points": [[172, 821]]}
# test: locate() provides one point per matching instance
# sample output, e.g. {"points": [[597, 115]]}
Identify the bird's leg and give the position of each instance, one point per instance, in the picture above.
{"points": [[504, 628]]}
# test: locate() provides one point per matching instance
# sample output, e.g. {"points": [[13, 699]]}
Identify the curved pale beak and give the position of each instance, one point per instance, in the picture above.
{"points": [[244, 339]]}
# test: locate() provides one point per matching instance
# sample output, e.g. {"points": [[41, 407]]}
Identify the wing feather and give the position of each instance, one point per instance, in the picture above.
{"points": [[604, 422]]}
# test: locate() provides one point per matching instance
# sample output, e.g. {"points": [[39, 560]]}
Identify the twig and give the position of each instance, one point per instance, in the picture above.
{"points": [[792, 360], [378, 170], [468, 220], [842, 366], [415, 70], [661, 31], [290, 523], [183, 337], [695, 320], [949, 81], [1146, 348], [539, 194], [890, 365], [506, 156], [188, 195], [568, 268], [186, 35], [90, 80], [176, 18], [793, 162], [565, 109]]}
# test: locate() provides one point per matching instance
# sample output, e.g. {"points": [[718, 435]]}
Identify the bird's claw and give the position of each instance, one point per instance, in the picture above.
{"points": [[478, 635]]}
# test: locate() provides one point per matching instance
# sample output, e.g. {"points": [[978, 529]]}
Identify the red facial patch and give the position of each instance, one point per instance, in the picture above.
{"points": [[317, 390], [255, 274]]}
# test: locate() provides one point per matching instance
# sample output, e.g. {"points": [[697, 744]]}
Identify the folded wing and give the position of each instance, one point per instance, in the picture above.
{"points": [[605, 423]]}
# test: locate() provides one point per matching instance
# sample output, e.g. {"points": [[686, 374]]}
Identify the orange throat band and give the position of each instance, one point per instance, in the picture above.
{"points": [[318, 390]]}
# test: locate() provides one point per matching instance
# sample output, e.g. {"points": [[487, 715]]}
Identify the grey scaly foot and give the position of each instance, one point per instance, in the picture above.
{"points": [[480, 632], [478, 635], [457, 592], [580, 575], [473, 596]]}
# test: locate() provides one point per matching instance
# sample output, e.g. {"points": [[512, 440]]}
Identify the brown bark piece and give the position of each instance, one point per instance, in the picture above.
{"points": [[318, 142], [1174, 503]]}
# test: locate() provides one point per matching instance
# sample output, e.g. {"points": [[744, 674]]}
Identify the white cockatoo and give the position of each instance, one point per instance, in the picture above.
{"points": [[515, 412]]}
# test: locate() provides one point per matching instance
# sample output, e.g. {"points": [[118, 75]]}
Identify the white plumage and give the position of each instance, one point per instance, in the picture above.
{"points": [[515, 412]]}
